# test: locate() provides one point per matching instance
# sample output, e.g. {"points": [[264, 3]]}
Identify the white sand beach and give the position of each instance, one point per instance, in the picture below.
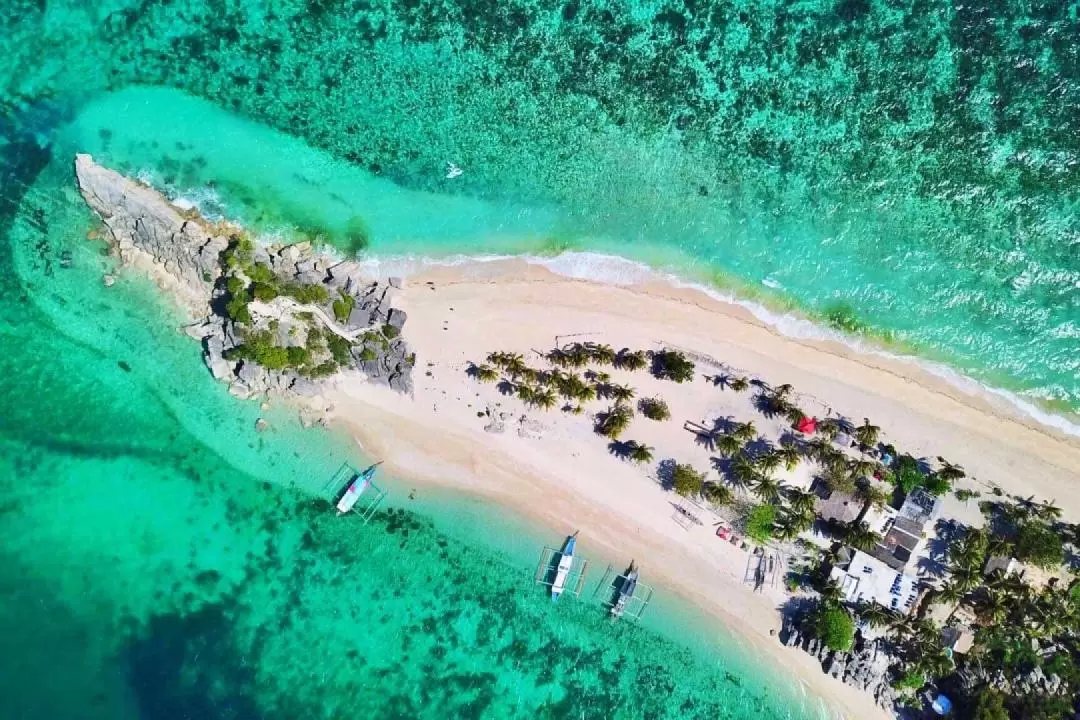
{"points": [[551, 466]]}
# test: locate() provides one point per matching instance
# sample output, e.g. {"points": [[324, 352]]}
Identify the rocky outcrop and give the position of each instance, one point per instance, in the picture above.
{"points": [[192, 254], [865, 667], [140, 219], [1034, 682]]}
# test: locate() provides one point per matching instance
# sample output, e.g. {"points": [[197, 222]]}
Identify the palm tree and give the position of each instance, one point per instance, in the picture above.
{"points": [[525, 393], [640, 453], [630, 360], [794, 414], [742, 473], [871, 496], [719, 495], [950, 593], [875, 615], [544, 399], [585, 393], [828, 428], [486, 374], [745, 431], [860, 537], [789, 525], [515, 365], [801, 501], [739, 384], [768, 462], [781, 392], [789, 455], [729, 446], [866, 434], [830, 592], [860, 469], [837, 479], [1048, 511], [577, 356], [767, 489], [602, 354], [621, 393], [557, 357], [950, 472]]}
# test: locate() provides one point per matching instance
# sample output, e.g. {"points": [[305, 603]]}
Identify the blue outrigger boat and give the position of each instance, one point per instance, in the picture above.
{"points": [[356, 488], [566, 561]]}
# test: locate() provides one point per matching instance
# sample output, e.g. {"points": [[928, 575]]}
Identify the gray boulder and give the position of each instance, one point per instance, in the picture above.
{"points": [[304, 387], [140, 218], [358, 318], [396, 318]]}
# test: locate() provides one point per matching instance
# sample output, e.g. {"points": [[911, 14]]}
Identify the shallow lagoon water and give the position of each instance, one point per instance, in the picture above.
{"points": [[908, 172]]}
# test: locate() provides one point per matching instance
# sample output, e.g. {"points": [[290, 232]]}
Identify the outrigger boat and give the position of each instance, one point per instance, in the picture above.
{"points": [[356, 488], [566, 561], [625, 591]]}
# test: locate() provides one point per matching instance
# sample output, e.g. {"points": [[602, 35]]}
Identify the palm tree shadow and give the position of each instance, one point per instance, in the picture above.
{"points": [[758, 447], [665, 473], [472, 370], [764, 405], [620, 448], [506, 387], [720, 380], [931, 566]]}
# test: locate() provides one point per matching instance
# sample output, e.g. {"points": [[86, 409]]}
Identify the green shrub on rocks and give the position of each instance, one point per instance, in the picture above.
{"points": [[306, 294], [264, 292], [343, 307], [339, 349]]}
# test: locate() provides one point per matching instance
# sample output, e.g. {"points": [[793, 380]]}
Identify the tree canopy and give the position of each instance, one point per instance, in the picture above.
{"points": [[760, 522], [989, 705], [834, 626], [1038, 544], [686, 480]]}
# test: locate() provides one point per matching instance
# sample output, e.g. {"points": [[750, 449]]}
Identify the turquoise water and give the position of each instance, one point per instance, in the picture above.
{"points": [[909, 171]]}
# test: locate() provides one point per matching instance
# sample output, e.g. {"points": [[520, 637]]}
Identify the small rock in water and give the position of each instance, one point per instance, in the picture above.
{"points": [[264, 406], [260, 425], [109, 280], [123, 366], [65, 259]]}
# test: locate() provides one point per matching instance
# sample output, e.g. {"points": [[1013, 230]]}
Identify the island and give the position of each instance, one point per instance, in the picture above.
{"points": [[923, 561]]}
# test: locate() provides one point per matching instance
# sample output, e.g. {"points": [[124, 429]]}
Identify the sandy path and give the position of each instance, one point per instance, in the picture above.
{"points": [[566, 479]]}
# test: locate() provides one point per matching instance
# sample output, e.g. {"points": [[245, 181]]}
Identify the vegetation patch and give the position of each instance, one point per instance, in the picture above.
{"points": [[672, 365], [343, 307], [760, 522], [686, 480], [833, 625], [654, 408]]}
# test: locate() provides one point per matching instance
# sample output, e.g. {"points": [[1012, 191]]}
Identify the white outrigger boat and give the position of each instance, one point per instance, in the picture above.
{"points": [[348, 485], [566, 561], [356, 488]]}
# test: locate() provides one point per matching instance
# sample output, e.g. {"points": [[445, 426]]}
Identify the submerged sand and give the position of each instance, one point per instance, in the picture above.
{"points": [[553, 469]]}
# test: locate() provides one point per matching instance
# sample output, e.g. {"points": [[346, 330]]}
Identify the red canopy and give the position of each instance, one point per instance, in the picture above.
{"points": [[806, 425]]}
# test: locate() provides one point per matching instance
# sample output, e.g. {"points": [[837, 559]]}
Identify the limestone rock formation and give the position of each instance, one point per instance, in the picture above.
{"points": [[865, 667], [139, 218], [274, 319]]}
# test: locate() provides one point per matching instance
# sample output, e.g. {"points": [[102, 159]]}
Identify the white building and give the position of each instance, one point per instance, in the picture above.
{"points": [[867, 579]]}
